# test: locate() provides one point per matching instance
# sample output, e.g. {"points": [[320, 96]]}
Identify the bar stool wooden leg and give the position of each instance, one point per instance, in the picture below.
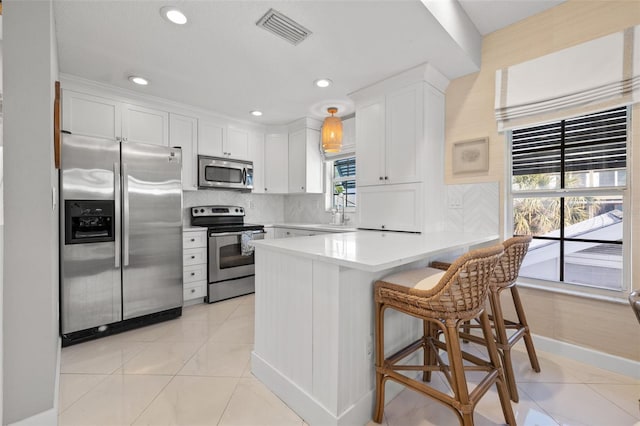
{"points": [[503, 391], [502, 342], [380, 381], [528, 341], [454, 353], [429, 331]]}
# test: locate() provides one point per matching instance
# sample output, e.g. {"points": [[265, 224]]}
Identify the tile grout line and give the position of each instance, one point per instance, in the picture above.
{"points": [[167, 384], [636, 415], [521, 390]]}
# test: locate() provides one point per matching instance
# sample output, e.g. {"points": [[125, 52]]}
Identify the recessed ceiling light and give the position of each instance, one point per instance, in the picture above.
{"points": [[256, 113], [173, 15], [323, 82], [138, 80]]}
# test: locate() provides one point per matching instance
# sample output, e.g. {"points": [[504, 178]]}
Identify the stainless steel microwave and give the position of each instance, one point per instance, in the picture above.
{"points": [[224, 173]]}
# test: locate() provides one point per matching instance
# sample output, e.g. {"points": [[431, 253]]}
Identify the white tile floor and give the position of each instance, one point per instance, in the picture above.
{"points": [[196, 371]]}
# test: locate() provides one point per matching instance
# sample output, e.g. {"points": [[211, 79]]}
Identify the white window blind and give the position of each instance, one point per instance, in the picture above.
{"points": [[598, 74]]}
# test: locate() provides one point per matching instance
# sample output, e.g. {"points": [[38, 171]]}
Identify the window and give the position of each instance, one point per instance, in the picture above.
{"points": [[341, 177], [567, 182]]}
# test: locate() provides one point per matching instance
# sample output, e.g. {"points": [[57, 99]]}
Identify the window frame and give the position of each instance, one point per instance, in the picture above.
{"points": [[330, 179], [581, 290]]}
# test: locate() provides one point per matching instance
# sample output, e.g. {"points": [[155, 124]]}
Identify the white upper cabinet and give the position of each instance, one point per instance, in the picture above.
{"points": [[389, 138], [96, 116], [404, 136], [349, 135], [276, 167], [400, 151], [237, 145], [305, 162], [183, 132], [370, 143], [256, 154], [211, 136], [145, 125], [89, 115], [216, 139]]}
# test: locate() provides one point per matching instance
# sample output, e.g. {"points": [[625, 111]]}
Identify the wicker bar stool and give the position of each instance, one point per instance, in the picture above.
{"points": [[443, 300], [504, 277]]}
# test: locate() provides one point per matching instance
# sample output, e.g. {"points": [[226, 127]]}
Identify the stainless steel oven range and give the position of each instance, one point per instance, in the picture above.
{"points": [[230, 258]]}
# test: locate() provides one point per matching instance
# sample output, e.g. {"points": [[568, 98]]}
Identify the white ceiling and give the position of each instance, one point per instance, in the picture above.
{"points": [[492, 15], [221, 61]]}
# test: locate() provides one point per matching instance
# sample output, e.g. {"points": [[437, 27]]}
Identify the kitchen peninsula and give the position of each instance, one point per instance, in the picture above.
{"points": [[314, 315]]}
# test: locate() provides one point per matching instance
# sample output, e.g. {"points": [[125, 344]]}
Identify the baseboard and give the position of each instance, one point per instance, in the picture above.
{"points": [[598, 359], [48, 417], [312, 411]]}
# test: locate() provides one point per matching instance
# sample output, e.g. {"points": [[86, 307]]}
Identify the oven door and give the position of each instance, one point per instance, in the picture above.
{"points": [[226, 260]]}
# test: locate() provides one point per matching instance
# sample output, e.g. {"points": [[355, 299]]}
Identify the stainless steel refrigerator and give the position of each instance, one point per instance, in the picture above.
{"points": [[121, 236]]}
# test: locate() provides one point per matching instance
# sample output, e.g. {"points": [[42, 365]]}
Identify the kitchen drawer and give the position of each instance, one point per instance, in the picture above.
{"points": [[196, 291], [194, 273], [194, 239], [194, 256]]}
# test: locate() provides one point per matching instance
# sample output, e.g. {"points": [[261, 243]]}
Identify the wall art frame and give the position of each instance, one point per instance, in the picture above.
{"points": [[470, 156]]}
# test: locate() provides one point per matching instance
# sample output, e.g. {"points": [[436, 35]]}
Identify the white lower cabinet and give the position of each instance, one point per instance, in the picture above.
{"points": [[194, 264], [269, 232]]}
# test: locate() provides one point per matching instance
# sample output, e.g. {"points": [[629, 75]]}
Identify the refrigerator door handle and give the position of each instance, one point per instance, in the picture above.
{"points": [[117, 199], [125, 215]]}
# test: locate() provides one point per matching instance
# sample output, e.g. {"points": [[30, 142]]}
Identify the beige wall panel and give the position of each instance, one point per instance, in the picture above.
{"points": [[603, 326], [607, 327]]}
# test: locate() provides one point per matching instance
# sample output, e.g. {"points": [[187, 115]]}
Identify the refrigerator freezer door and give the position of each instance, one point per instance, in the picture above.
{"points": [[90, 287], [151, 229]]}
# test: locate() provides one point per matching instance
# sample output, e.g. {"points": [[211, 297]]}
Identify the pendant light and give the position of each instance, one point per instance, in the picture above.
{"points": [[332, 132]]}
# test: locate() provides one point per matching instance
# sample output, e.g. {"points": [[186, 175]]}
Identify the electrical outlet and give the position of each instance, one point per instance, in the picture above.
{"points": [[454, 202]]}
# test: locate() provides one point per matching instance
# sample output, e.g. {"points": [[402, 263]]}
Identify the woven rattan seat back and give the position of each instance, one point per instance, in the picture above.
{"points": [[508, 267], [461, 292]]}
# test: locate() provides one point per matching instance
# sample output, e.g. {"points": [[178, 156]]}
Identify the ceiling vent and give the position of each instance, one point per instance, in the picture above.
{"points": [[283, 27]]}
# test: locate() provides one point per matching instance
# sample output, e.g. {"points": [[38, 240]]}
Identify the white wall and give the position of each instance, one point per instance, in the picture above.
{"points": [[30, 308]]}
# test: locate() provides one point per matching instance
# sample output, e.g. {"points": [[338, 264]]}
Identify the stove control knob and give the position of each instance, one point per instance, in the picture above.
{"points": [[236, 210], [201, 210]]}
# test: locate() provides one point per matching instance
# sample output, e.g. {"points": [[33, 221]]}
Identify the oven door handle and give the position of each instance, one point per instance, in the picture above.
{"points": [[228, 234]]}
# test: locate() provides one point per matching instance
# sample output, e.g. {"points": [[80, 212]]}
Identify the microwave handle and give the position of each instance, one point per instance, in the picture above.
{"points": [[244, 176]]}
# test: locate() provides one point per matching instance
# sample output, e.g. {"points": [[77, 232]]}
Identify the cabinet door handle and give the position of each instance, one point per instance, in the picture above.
{"points": [[193, 239], [380, 177], [382, 226], [386, 178], [302, 187], [265, 190], [193, 257], [193, 290]]}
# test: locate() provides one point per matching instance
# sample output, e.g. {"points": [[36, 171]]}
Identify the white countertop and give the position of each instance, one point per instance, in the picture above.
{"points": [[374, 250], [194, 229], [314, 227]]}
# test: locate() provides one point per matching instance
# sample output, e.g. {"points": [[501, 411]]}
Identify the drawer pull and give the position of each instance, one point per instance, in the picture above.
{"points": [[193, 273], [193, 290], [193, 239], [193, 257]]}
